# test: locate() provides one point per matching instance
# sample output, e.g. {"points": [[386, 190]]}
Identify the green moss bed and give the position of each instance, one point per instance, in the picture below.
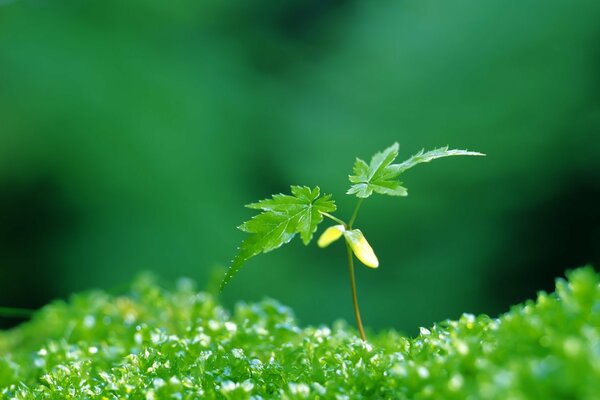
{"points": [[154, 343]]}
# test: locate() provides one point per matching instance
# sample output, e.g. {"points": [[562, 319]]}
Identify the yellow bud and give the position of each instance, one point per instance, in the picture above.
{"points": [[361, 248], [330, 235]]}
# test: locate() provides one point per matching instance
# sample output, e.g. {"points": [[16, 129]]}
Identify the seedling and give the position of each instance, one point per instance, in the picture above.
{"points": [[284, 216]]}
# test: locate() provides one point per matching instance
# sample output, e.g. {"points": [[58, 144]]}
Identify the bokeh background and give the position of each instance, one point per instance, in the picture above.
{"points": [[132, 132]]}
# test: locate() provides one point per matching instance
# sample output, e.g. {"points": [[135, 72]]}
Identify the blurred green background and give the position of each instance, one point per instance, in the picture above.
{"points": [[133, 132]]}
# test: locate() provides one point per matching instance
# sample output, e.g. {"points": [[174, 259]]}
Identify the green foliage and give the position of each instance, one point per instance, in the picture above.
{"points": [[377, 176], [178, 135], [381, 176], [282, 217], [158, 344]]}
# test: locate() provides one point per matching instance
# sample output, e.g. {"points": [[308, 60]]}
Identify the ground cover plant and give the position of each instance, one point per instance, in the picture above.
{"points": [[282, 217], [156, 343]]}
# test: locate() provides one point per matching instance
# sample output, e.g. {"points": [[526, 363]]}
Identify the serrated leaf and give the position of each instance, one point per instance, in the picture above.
{"points": [[424, 157], [380, 176], [281, 218], [375, 176]]}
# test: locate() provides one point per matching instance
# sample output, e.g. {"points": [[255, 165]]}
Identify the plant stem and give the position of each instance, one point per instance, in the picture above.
{"points": [[351, 267], [339, 221], [355, 213], [354, 296], [15, 312]]}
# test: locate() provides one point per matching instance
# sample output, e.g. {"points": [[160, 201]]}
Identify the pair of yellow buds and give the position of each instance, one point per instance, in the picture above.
{"points": [[355, 238]]}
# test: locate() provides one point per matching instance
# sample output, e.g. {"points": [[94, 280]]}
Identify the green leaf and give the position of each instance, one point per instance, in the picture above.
{"points": [[380, 176], [375, 177], [422, 157], [281, 218]]}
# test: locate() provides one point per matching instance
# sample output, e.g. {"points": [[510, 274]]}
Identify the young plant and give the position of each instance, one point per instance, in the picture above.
{"points": [[284, 216]]}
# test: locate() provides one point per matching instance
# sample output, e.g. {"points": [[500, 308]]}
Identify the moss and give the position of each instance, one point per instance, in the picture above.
{"points": [[158, 344]]}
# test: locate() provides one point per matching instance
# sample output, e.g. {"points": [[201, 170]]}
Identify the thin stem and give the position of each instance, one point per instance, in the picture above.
{"points": [[339, 221], [15, 312], [351, 267], [354, 296], [355, 213]]}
